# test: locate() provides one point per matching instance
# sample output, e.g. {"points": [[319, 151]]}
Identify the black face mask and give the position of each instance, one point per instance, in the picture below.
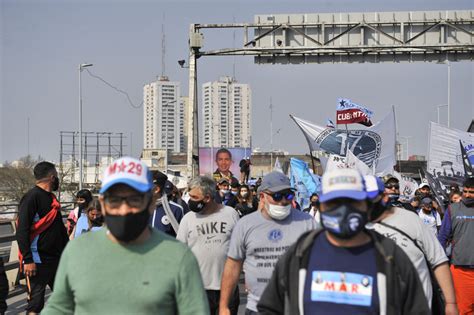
{"points": [[81, 206], [55, 184], [393, 199], [377, 209], [128, 227], [468, 202], [344, 221], [196, 206], [315, 203], [98, 221]]}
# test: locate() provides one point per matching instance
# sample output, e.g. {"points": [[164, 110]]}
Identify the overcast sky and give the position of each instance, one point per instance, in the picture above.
{"points": [[43, 42]]}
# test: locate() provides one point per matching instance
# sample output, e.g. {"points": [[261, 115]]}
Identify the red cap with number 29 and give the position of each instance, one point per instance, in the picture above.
{"points": [[128, 171]]}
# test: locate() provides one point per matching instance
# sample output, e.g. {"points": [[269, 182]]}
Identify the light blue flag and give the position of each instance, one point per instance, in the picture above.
{"points": [[303, 181]]}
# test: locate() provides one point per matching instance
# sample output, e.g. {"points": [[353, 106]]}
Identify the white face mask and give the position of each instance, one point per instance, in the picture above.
{"points": [[225, 191], [278, 212]]}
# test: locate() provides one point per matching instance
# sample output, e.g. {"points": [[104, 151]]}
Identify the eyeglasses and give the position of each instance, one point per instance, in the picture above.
{"points": [[278, 196], [392, 186], [133, 201]]}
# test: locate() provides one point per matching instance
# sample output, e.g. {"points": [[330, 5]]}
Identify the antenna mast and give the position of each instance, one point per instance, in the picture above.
{"points": [[163, 46]]}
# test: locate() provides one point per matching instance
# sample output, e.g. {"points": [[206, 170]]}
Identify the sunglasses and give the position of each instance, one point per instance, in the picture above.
{"points": [[392, 186], [133, 201], [278, 196]]}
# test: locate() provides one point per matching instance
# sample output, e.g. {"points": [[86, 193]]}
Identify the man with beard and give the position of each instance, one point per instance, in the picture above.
{"points": [[343, 268], [458, 226], [41, 234], [138, 269]]}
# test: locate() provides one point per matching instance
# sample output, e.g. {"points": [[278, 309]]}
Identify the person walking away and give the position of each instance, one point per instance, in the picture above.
{"points": [[41, 234]]}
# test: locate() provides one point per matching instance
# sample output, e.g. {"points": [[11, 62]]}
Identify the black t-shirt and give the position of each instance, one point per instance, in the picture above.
{"points": [[244, 209], [49, 244]]}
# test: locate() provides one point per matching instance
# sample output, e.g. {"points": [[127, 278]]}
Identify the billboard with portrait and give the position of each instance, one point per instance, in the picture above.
{"points": [[209, 161]]}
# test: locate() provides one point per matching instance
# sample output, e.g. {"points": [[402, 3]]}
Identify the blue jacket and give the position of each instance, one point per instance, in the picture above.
{"points": [[160, 220]]}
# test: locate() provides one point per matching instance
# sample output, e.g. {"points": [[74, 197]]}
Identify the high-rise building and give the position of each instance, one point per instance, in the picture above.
{"points": [[226, 113], [162, 115], [183, 123]]}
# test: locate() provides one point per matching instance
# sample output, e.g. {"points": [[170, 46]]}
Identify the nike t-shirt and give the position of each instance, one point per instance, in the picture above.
{"points": [[341, 280], [208, 236]]}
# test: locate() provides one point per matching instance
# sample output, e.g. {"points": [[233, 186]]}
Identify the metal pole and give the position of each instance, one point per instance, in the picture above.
{"points": [[449, 93], [271, 135], [81, 66], [407, 147], [438, 107], [192, 110], [80, 128]]}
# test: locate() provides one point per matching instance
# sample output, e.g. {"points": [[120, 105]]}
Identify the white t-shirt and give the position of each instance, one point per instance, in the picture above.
{"points": [[411, 224], [208, 236], [315, 214], [432, 220]]}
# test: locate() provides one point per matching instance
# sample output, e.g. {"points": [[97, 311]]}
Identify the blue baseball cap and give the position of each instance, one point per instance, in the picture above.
{"points": [[342, 183], [128, 171], [374, 186]]}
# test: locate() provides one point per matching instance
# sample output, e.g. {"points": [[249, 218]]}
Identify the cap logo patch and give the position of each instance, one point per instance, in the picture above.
{"points": [[131, 168], [342, 180]]}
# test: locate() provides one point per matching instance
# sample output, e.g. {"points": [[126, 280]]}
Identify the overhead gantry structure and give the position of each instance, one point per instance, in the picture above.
{"points": [[422, 36]]}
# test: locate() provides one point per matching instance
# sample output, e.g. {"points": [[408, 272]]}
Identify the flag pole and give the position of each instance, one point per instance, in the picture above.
{"points": [[347, 141]]}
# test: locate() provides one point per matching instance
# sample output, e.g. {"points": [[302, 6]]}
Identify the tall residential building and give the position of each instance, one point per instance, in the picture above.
{"points": [[183, 123], [162, 116], [226, 113]]}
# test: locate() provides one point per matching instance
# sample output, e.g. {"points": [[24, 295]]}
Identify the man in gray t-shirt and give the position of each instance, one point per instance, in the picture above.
{"points": [[260, 238], [206, 229]]}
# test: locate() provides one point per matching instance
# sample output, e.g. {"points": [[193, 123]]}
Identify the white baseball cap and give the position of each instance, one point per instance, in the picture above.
{"points": [[374, 186], [342, 183], [423, 185], [128, 171]]}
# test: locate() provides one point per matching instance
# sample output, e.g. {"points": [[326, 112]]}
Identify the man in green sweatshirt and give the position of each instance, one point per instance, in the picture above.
{"points": [[127, 268]]}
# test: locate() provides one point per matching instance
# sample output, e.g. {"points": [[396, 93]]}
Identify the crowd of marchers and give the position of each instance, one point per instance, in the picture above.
{"points": [[142, 246]]}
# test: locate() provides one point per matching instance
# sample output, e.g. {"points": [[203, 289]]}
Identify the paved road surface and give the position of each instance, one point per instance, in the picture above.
{"points": [[17, 304]]}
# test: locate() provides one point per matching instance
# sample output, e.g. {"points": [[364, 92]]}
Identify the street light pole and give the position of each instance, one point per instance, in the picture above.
{"points": [[81, 67]]}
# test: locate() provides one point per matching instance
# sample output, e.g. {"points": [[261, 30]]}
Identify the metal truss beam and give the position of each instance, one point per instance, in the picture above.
{"points": [[409, 36]]}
